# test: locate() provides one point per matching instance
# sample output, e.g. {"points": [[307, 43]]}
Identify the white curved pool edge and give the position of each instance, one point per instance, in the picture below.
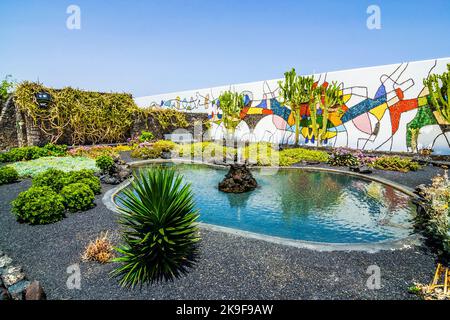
{"points": [[405, 243]]}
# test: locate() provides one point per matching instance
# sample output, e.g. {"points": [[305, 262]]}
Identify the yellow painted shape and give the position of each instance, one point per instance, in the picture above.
{"points": [[291, 119], [335, 118], [306, 133], [422, 101], [254, 111], [379, 111], [347, 97]]}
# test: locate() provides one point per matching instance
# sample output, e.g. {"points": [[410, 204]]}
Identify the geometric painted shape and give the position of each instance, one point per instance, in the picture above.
{"points": [[279, 122], [362, 107], [379, 111], [381, 92], [397, 109], [279, 110], [363, 124]]}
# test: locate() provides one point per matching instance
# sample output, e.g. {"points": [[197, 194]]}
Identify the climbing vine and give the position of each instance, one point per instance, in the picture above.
{"points": [[89, 117], [165, 117], [5, 87]]}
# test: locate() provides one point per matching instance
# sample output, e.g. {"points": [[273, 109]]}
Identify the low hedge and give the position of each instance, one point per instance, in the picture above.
{"points": [[38, 205], [55, 191], [395, 164], [78, 197], [8, 175], [32, 153], [105, 163]]}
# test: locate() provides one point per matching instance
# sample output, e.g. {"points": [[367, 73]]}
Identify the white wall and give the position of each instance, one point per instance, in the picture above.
{"points": [[369, 123]]}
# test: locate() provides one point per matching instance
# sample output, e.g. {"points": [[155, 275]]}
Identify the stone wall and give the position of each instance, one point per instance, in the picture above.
{"points": [[8, 125], [17, 129], [151, 124]]}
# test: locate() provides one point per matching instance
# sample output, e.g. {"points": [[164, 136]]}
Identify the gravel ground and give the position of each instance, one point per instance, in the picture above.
{"points": [[230, 267]]}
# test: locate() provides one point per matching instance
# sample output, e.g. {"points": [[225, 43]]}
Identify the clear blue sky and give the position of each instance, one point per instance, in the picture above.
{"points": [[156, 46]]}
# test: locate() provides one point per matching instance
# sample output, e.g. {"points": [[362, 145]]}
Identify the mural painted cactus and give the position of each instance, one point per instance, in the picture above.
{"points": [[295, 91], [231, 104], [439, 89]]}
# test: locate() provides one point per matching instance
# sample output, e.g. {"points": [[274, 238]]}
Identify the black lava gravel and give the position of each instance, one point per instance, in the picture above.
{"points": [[230, 267]]}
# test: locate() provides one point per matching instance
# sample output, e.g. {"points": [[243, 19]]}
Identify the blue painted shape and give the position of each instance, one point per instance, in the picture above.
{"points": [[246, 100], [362, 107], [339, 128], [263, 104], [380, 92], [279, 110]]}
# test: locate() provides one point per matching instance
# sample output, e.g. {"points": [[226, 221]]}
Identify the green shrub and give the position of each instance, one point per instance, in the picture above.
{"points": [[146, 153], [56, 150], [343, 157], [93, 183], [105, 163], [261, 153], [78, 197], [289, 157], [52, 178], [203, 149], [160, 234], [75, 176], [33, 153], [164, 145], [395, 164], [8, 175], [38, 205], [146, 136]]}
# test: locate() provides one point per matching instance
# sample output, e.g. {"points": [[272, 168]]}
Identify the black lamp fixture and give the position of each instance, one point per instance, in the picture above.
{"points": [[43, 99]]}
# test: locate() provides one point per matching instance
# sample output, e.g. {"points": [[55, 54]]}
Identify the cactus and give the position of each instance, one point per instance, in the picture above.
{"points": [[295, 91], [231, 104], [328, 97], [439, 91]]}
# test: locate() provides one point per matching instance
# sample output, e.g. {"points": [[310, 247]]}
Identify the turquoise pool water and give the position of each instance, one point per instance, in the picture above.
{"points": [[303, 205]]}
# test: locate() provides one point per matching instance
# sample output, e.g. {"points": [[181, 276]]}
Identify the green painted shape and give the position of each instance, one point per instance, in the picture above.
{"points": [[424, 117]]}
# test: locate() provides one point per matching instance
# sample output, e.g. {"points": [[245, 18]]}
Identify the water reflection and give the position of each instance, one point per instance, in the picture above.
{"points": [[314, 206]]}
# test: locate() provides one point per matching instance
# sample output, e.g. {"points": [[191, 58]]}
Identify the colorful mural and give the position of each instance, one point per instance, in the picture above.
{"points": [[385, 108]]}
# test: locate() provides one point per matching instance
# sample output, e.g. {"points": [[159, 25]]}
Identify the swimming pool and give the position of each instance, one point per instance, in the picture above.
{"points": [[303, 205]]}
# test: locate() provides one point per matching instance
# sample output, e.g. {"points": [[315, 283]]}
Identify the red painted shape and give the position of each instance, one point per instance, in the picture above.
{"points": [[397, 109], [267, 111], [400, 93], [304, 110], [244, 112]]}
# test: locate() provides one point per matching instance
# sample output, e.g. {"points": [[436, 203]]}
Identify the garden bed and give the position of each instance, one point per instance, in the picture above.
{"points": [[230, 266]]}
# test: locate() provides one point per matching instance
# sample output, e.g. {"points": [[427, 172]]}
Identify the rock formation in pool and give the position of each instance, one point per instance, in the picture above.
{"points": [[239, 179]]}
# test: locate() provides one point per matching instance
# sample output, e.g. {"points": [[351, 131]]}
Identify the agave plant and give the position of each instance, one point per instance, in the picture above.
{"points": [[160, 234]]}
